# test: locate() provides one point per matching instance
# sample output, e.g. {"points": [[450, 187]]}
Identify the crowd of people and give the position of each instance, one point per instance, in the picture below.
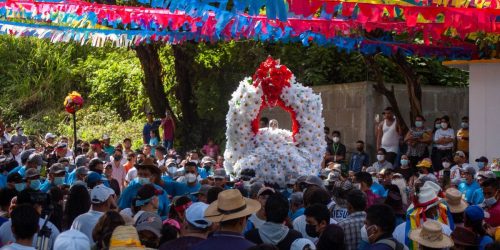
{"points": [[421, 192]]}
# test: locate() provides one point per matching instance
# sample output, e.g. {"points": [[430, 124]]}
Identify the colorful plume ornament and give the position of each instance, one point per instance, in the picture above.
{"points": [[73, 102]]}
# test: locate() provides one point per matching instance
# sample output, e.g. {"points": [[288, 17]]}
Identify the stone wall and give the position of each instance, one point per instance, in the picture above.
{"points": [[351, 108]]}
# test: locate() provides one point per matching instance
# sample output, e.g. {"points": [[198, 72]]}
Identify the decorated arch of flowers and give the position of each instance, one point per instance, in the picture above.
{"points": [[275, 154]]}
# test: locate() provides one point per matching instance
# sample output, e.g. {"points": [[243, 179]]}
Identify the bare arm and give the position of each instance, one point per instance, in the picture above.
{"points": [[380, 132]]}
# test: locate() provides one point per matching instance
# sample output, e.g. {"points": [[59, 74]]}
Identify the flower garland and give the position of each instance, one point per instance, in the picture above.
{"points": [[73, 102], [275, 154]]}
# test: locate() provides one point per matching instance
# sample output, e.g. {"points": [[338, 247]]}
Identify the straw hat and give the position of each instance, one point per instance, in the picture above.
{"points": [[149, 163], [464, 237], [230, 204], [125, 237], [425, 163], [431, 235], [455, 202]]}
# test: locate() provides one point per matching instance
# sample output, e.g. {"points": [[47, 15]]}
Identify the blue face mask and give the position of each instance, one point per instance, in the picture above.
{"points": [[290, 190], [20, 186], [419, 124], [143, 181], [58, 180], [480, 165], [404, 162], [67, 169], [35, 184]]}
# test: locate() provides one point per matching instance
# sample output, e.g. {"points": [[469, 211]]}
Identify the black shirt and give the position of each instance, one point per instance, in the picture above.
{"points": [[285, 244]]}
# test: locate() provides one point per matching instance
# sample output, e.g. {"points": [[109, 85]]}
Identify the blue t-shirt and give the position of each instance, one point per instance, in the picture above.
{"points": [[46, 186], [19, 169], [473, 192], [484, 241], [297, 213], [378, 189], [130, 192], [71, 177], [175, 188], [202, 172], [3, 181]]}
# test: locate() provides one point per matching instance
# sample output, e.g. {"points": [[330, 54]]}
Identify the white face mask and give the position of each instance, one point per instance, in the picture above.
{"points": [[444, 125], [380, 157], [190, 178], [336, 139], [446, 164], [364, 234]]}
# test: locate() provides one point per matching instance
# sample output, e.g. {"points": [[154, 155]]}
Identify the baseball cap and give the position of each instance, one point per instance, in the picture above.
{"points": [[105, 137], [149, 222], [36, 158], [31, 172], [265, 191], [426, 163], [301, 243], [72, 239], [195, 215], [474, 213], [482, 159], [56, 168], [49, 135], [207, 159], [314, 180], [94, 162], [100, 194], [220, 173], [26, 154], [81, 160], [93, 177], [203, 190], [82, 170], [470, 170]]}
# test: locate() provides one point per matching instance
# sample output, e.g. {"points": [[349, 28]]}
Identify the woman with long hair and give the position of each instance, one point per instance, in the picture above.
{"points": [[77, 203], [104, 229]]}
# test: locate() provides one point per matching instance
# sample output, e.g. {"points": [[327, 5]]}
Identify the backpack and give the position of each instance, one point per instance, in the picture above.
{"points": [[392, 243]]}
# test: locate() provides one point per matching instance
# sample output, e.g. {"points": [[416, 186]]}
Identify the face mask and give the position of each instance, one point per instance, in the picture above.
{"points": [[58, 180], [446, 164], [195, 161], [172, 170], [35, 184], [480, 165], [489, 201], [418, 124], [117, 157], [404, 162], [289, 190], [357, 186], [465, 125], [364, 234], [380, 157], [190, 178], [444, 125], [437, 126], [20, 186], [311, 231], [336, 139], [143, 181]]}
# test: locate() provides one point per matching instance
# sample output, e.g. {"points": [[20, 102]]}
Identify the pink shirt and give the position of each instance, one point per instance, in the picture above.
{"points": [[118, 173], [371, 198], [211, 151], [494, 211]]}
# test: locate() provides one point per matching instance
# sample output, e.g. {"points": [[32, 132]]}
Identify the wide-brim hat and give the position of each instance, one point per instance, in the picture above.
{"points": [[430, 234], [425, 163], [230, 204], [148, 163], [454, 200], [464, 237]]}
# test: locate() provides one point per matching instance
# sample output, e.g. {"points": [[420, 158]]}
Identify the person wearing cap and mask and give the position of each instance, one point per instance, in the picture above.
{"points": [[50, 139], [81, 161], [482, 163], [147, 173], [30, 159], [470, 187], [381, 162], [195, 228], [7, 234], [33, 179], [56, 177], [424, 167], [491, 186], [230, 210], [460, 165], [61, 150], [220, 178], [103, 200], [15, 182]]}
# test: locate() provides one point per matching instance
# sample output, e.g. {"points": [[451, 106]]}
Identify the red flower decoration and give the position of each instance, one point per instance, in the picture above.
{"points": [[73, 102]]}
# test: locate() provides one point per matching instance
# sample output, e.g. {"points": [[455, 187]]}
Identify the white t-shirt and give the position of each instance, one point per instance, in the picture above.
{"points": [[15, 246], [7, 236], [400, 231], [299, 224], [86, 222], [440, 133], [131, 174]]}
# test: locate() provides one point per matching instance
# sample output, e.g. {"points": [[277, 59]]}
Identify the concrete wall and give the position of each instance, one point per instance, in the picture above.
{"points": [[484, 107], [351, 108]]}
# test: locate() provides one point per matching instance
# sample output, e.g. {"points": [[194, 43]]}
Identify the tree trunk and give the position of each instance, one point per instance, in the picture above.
{"points": [[412, 84], [380, 87], [153, 80], [185, 75]]}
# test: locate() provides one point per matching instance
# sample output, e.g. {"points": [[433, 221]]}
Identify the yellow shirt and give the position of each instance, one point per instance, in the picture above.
{"points": [[463, 140]]}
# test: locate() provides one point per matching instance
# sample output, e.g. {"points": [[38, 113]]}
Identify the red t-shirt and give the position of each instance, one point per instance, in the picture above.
{"points": [[494, 211], [168, 129]]}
